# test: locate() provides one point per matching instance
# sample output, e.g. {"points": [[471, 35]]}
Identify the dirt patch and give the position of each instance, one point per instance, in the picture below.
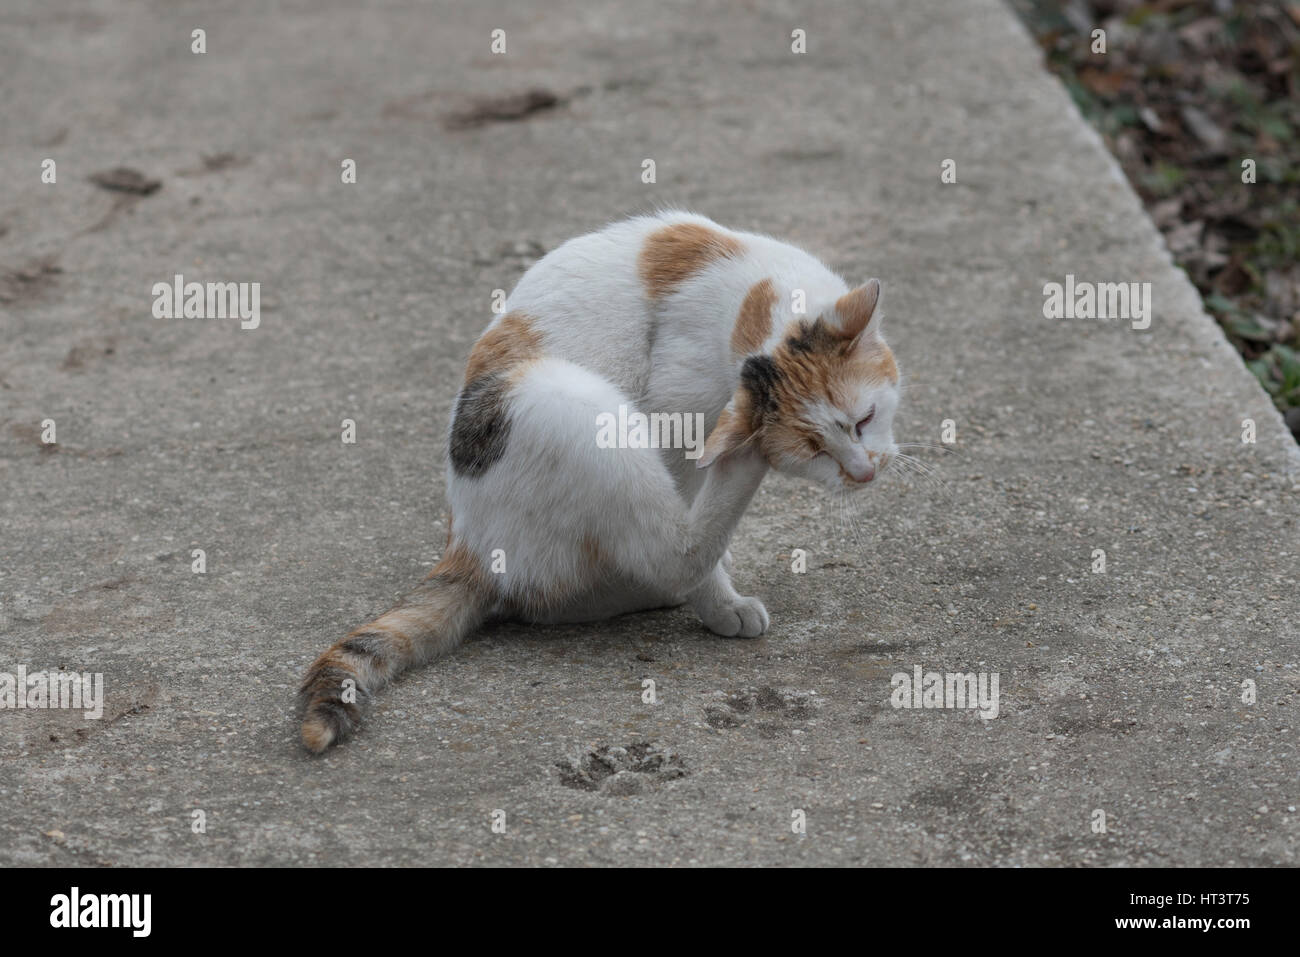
{"points": [[87, 351], [28, 281], [502, 109], [215, 163], [116, 605], [123, 179], [46, 730]]}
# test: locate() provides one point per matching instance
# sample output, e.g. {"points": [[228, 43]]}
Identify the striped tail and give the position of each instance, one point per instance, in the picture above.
{"points": [[427, 623]]}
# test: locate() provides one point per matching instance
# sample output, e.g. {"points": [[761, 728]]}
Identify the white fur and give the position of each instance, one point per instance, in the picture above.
{"points": [[662, 524]]}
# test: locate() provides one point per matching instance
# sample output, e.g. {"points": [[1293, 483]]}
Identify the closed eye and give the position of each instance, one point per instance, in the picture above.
{"points": [[865, 421]]}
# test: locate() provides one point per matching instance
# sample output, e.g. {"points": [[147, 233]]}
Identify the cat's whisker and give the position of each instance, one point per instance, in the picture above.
{"points": [[851, 517], [916, 467], [910, 466], [919, 445], [841, 514], [855, 527], [846, 528], [915, 462]]}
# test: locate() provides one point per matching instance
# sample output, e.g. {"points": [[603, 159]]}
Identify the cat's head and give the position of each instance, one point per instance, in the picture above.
{"points": [[820, 404]]}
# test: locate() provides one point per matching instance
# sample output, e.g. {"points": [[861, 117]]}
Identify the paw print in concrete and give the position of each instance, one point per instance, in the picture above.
{"points": [[622, 771], [768, 711]]}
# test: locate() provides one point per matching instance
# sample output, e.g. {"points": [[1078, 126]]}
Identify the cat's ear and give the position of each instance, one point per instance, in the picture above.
{"points": [[727, 436], [855, 315]]}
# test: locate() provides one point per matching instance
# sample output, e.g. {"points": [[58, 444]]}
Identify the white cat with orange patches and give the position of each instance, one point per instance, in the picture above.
{"points": [[669, 313]]}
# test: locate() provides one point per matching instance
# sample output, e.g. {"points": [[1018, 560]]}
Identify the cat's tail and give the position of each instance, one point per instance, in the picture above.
{"points": [[428, 622]]}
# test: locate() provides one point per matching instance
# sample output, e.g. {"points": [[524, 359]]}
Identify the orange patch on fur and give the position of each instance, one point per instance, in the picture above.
{"points": [[754, 324], [510, 342], [316, 735], [856, 308], [806, 373], [788, 442], [592, 553], [872, 364], [391, 623], [674, 253], [880, 364], [460, 564]]}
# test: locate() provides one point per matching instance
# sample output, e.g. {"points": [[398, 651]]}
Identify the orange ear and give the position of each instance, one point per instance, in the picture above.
{"points": [[727, 436], [854, 310]]}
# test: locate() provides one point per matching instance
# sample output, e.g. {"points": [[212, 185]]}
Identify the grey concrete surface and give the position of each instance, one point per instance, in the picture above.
{"points": [[1120, 692]]}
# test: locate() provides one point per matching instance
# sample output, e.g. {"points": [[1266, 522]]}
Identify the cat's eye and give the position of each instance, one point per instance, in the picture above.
{"points": [[866, 420]]}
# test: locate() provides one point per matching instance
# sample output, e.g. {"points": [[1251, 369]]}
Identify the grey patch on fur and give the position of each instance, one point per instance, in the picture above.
{"points": [[760, 375], [481, 426], [811, 337], [327, 681], [341, 718], [368, 644]]}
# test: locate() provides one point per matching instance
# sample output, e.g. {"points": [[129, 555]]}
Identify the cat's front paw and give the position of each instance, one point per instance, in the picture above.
{"points": [[738, 618]]}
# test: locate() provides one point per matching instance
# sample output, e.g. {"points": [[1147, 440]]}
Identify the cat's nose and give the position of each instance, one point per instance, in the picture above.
{"points": [[864, 474]]}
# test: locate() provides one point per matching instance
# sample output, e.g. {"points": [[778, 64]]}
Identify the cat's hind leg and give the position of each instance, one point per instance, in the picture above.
{"points": [[566, 523], [574, 527]]}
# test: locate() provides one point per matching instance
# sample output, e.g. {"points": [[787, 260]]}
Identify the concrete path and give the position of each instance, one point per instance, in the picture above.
{"points": [[1120, 692]]}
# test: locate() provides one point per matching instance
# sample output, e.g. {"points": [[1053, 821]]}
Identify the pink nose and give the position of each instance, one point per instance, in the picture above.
{"points": [[864, 475]]}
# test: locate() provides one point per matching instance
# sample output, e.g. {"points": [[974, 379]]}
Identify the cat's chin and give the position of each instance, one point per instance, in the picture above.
{"points": [[831, 476], [845, 487], [831, 480]]}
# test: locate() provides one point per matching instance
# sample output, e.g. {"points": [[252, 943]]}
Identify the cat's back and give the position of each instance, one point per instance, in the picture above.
{"points": [[613, 300], [615, 279], [587, 298]]}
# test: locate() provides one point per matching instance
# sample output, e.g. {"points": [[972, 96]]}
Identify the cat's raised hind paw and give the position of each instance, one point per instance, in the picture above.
{"points": [[737, 618]]}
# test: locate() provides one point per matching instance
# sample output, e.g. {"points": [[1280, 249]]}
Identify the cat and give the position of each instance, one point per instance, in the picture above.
{"points": [[670, 313]]}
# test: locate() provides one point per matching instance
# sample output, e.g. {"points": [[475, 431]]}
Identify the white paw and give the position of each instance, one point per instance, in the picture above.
{"points": [[739, 618]]}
